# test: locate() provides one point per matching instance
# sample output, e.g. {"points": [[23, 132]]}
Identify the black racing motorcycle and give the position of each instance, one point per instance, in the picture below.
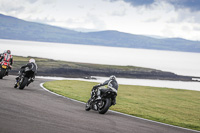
{"points": [[4, 66], [24, 79], [102, 106]]}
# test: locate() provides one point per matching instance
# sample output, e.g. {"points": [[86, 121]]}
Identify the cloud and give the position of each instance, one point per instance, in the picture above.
{"points": [[185, 16], [196, 28], [140, 2], [44, 20], [193, 5], [17, 7], [90, 22], [137, 2], [121, 11], [14, 7], [153, 19], [32, 1], [169, 18]]}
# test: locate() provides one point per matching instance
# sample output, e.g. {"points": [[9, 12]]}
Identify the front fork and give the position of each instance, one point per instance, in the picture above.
{"points": [[19, 79]]}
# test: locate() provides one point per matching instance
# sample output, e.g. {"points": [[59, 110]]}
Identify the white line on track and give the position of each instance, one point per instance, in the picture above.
{"points": [[41, 85]]}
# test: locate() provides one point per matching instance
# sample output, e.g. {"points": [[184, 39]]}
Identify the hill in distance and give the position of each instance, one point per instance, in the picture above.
{"points": [[17, 29]]}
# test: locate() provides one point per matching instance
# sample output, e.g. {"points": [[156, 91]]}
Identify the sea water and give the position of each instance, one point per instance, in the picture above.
{"points": [[183, 63]]}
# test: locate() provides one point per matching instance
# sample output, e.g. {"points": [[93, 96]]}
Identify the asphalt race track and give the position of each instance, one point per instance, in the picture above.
{"points": [[34, 110]]}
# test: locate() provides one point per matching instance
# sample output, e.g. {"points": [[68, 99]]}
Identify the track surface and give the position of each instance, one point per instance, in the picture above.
{"points": [[34, 110]]}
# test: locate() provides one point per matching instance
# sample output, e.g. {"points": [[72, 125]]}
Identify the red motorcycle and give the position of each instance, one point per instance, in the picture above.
{"points": [[4, 66]]}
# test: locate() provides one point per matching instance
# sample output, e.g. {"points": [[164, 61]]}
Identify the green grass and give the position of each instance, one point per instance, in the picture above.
{"points": [[171, 106]]}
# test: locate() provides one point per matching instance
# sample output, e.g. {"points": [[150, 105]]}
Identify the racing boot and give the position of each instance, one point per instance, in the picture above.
{"points": [[114, 101], [31, 80], [15, 85], [6, 73]]}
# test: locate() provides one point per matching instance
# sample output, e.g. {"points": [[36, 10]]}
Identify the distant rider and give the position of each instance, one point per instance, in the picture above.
{"points": [[8, 58], [32, 66], [111, 84]]}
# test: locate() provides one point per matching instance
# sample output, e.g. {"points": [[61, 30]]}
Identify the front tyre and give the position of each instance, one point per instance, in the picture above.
{"points": [[87, 106], [2, 73], [24, 83], [104, 106]]}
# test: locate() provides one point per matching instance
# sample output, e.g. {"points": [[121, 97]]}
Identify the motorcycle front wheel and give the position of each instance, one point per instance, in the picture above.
{"points": [[104, 106], [87, 105]]}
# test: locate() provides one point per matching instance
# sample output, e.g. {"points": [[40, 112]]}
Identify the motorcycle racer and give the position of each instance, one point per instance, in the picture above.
{"points": [[32, 66], [8, 58], [111, 84]]}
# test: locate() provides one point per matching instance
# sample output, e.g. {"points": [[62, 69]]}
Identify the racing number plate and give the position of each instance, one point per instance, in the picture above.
{"points": [[4, 67]]}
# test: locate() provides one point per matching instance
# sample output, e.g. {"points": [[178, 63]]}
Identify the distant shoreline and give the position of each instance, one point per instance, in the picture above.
{"points": [[49, 67]]}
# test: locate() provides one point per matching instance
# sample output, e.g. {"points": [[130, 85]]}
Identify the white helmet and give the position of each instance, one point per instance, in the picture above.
{"points": [[32, 60], [112, 77]]}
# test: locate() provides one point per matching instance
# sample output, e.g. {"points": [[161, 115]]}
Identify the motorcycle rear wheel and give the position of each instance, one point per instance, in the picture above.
{"points": [[2, 73], [105, 106], [24, 83]]}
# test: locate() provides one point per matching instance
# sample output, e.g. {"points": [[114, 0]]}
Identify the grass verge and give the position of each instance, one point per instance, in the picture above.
{"points": [[171, 106]]}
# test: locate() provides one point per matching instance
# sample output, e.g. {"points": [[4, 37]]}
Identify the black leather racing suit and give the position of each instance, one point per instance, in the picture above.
{"points": [[32, 66], [111, 84]]}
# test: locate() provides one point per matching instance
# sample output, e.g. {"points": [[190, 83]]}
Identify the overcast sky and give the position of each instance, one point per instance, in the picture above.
{"points": [[167, 18]]}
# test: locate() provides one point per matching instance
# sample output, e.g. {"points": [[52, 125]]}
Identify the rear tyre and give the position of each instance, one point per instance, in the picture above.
{"points": [[105, 104], [24, 83]]}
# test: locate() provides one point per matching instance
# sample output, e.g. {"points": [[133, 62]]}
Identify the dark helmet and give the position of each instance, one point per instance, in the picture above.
{"points": [[112, 77], [8, 51]]}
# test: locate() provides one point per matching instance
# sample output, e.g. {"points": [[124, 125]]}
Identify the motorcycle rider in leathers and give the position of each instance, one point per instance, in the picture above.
{"points": [[8, 58], [111, 84], [31, 65]]}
